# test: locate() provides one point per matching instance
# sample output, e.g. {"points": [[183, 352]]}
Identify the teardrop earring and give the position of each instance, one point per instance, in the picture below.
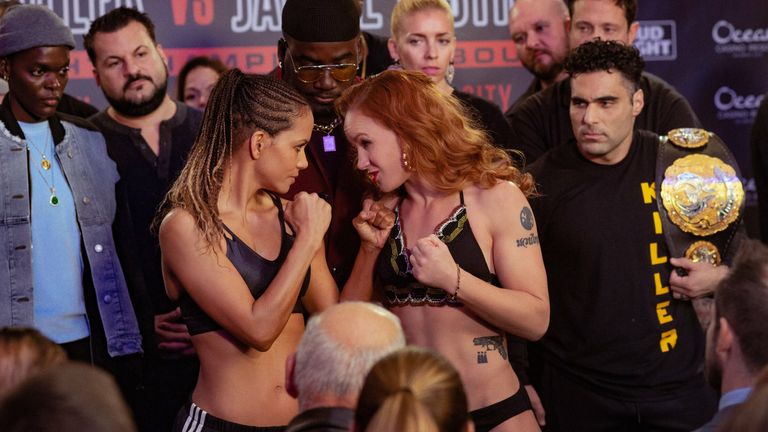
{"points": [[450, 72]]}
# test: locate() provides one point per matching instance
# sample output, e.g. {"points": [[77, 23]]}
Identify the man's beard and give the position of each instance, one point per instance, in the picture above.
{"points": [[139, 109], [547, 73]]}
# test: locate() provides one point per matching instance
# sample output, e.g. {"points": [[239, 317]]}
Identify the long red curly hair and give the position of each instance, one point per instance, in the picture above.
{"points": [[440, 140]]}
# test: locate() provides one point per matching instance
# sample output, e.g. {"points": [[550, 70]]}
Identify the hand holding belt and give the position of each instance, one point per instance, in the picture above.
{"points": [[699, 194]]}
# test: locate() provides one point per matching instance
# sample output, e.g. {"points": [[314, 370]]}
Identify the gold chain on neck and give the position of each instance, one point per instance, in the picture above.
{"points": [[327, 129]]}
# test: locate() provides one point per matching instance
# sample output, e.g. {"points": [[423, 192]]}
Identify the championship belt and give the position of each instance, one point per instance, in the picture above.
{"points": [[699, 194]]}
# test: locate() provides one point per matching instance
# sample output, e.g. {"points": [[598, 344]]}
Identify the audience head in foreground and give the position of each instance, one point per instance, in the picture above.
{"points": [[23, 353], [413, 389], [73, 397], [338, 348]]}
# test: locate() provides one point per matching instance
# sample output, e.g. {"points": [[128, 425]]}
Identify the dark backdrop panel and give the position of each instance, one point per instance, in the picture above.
{"points": [[715, 52]]}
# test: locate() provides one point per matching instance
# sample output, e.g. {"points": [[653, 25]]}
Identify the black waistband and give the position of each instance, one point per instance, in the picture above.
{"points": [[489, 417], [197, 417]]}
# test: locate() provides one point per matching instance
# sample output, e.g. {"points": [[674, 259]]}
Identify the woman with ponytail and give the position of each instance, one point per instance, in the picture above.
{"points": [[412, 389], [237, 258]]}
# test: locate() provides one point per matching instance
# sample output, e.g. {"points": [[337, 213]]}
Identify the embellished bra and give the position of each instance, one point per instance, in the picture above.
{"points": [[394, 271]]}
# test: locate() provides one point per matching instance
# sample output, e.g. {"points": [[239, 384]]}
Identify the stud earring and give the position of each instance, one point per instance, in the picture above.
{"points": [[405, 162]]}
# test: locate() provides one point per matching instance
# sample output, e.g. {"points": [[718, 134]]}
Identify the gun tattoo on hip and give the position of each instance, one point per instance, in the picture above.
{"points": [[489, 343]]}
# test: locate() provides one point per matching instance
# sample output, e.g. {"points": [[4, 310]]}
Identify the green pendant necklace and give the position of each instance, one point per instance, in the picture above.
{"points": [[46, 164]]}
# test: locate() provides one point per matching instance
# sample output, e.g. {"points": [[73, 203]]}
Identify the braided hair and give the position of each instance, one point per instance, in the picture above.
{"points": [[239, 105]]}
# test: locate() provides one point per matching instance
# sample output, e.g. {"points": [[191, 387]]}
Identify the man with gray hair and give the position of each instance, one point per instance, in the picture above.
{"points": [[338, 348]]}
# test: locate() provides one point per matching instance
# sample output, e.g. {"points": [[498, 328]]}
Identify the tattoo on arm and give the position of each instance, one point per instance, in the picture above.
{"points": [[526, 218], [489, 343], [531, 240]]}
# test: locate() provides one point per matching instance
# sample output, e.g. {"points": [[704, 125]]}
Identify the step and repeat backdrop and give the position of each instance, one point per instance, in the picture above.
{"points": [[714, 52]]}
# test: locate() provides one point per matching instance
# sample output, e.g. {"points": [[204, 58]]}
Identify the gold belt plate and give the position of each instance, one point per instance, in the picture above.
{"points": [[703, 251], [702, 194], [689, 137]]}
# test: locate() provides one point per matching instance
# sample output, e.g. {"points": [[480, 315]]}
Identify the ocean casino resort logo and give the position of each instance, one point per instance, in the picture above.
{"points": [[735, 107], [657, 40], [739, 42]]}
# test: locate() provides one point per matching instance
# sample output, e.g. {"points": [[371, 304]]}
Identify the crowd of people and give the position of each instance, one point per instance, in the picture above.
{"points": [[350, 244]]}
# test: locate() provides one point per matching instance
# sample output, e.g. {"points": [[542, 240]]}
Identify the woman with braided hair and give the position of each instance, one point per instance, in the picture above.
{"points": [[237, 258]]}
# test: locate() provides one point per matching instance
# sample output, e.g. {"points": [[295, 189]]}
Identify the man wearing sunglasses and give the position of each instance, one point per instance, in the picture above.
{"points": [[320, 54]]}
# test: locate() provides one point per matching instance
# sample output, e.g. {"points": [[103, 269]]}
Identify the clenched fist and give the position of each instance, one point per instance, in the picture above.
{"points": [[373, 224], [309, 216]]}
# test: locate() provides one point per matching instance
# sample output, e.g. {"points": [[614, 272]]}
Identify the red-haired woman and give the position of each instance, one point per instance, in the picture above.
{"points": [[461, 265]]}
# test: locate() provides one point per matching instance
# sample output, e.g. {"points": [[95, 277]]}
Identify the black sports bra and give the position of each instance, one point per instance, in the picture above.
{"points": [[256, 271], [393, 267]]}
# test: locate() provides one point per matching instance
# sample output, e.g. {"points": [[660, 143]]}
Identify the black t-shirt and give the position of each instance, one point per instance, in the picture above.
{"points": [[533, 88], [489, 117], [614, 324], [378, 59], [147, 178], [759, 146], [543, 121]]}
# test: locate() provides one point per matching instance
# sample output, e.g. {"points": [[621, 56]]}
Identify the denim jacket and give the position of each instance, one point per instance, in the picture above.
{"points": [[91, 176]]}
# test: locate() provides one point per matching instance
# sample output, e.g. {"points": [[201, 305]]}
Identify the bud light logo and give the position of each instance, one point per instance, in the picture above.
{"points": [[657, 40]]}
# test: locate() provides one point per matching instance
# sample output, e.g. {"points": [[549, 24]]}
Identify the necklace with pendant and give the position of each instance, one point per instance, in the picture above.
{"points": [[46, 164], [329, 141]]}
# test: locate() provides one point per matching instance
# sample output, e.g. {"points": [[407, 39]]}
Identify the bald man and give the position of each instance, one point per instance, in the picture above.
{"points": [[338, 348], [539, 29]]}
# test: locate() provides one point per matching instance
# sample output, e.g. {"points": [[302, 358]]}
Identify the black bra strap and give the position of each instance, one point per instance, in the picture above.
{"points": [[461, 197], [226, 228], [280, 217], [280, 213]]}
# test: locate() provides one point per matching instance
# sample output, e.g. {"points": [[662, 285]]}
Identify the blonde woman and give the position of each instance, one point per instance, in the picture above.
{"points": [[423, 39]]}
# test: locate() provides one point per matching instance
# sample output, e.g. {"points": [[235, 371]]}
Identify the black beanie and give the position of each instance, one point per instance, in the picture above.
{"points": [[321, 20]]}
